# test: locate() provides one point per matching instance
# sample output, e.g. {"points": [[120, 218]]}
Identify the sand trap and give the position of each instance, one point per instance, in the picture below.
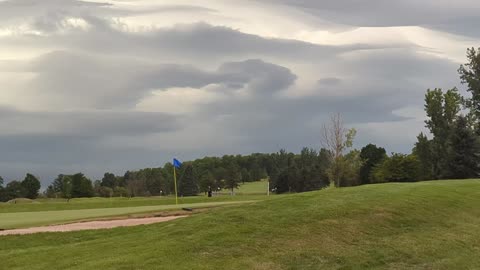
{"points": [[90, 225]]}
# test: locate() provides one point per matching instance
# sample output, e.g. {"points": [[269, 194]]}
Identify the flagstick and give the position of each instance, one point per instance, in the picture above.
{"points": [[175, 180]]}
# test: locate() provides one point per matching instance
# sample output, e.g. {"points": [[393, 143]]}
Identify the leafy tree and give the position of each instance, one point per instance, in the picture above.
{"points": [[470, 75], [188, 185], [67, 186], [442, 110], [207, 180], [371, 155], [423, 150], [234, 176], [81, 186], [13, 190], [109, 180], [30, 186], [464, 156], [351, 164], [2, 191], [397, 168]]}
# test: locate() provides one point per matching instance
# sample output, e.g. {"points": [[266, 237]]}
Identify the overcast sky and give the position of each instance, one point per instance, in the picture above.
{"points": [[110, 86]]}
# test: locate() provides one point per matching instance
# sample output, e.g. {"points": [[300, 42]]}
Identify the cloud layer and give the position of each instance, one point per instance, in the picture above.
{"points": [[111, 86]]}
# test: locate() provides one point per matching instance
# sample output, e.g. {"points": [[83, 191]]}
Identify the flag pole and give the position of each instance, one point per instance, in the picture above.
{"points": [[175, 181]]}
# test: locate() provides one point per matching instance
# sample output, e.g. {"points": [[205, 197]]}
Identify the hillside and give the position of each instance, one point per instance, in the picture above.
{"points": [[428, 225]]}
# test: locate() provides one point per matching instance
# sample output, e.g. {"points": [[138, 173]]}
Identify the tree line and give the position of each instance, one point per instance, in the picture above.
{"points": [[451, 150]]}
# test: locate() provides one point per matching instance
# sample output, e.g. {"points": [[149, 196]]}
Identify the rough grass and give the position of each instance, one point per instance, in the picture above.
{"points": [[429, 225]]}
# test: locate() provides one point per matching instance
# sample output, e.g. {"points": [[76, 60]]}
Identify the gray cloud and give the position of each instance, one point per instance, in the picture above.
{"points": [[459, 17], [84, 123], [101, 82]]}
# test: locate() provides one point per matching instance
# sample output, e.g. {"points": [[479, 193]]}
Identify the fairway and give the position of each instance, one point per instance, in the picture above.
{"points": [[29, 219], [93, 203], [427, 225]]}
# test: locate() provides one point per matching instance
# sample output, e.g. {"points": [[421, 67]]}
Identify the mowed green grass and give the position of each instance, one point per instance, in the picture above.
{"points": [[428, 225], [93, 203], [30, 219]]}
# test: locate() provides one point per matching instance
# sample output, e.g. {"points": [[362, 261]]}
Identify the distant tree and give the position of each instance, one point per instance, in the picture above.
{"points": [[109, 180], [106, 192], [31, 186], [423, 150], [470, 75], [207, 180], [233, 178], [67, 186], [337, 139], [120, 192], [371, 155], [397, 168], [245, 175], [188, 184], [81, 186], [13, 190], [50, 192], [2, 191], [464, 155]]}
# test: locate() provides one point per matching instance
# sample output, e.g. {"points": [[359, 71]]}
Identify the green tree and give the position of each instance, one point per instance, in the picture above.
{"points": [[397, 168], [13, 190], [31, 186], [351, 164], [188, 185], [423, 150], [464, 151], [470, 75], [2, 191], [81, 186], [109, 180], [442, 110], [371, 155], [234, 176], [207, 180]]}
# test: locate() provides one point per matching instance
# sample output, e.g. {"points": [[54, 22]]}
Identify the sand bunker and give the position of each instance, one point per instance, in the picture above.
{"points": [[90, 225]]}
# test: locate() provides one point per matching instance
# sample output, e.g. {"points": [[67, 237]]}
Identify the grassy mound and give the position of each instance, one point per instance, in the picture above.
{"points": [[429, 225]]}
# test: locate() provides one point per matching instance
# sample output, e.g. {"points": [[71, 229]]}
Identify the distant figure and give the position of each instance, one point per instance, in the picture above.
{"points": [[209, 191]]}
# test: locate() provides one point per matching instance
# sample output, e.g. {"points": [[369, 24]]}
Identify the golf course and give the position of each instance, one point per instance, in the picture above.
{"points": [[424, 225]]}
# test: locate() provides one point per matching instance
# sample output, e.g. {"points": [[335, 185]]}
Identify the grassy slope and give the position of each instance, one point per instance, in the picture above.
{"points": [[429, 225]]}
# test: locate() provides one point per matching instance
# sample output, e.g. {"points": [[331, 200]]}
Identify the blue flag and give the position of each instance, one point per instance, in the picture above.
{"points": [[177, 163]]}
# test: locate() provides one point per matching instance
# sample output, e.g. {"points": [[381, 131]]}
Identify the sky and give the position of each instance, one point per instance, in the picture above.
{"points": [[121, 85]]}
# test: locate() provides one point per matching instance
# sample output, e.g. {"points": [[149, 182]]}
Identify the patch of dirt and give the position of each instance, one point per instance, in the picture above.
{"points": [[91, 225]]}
